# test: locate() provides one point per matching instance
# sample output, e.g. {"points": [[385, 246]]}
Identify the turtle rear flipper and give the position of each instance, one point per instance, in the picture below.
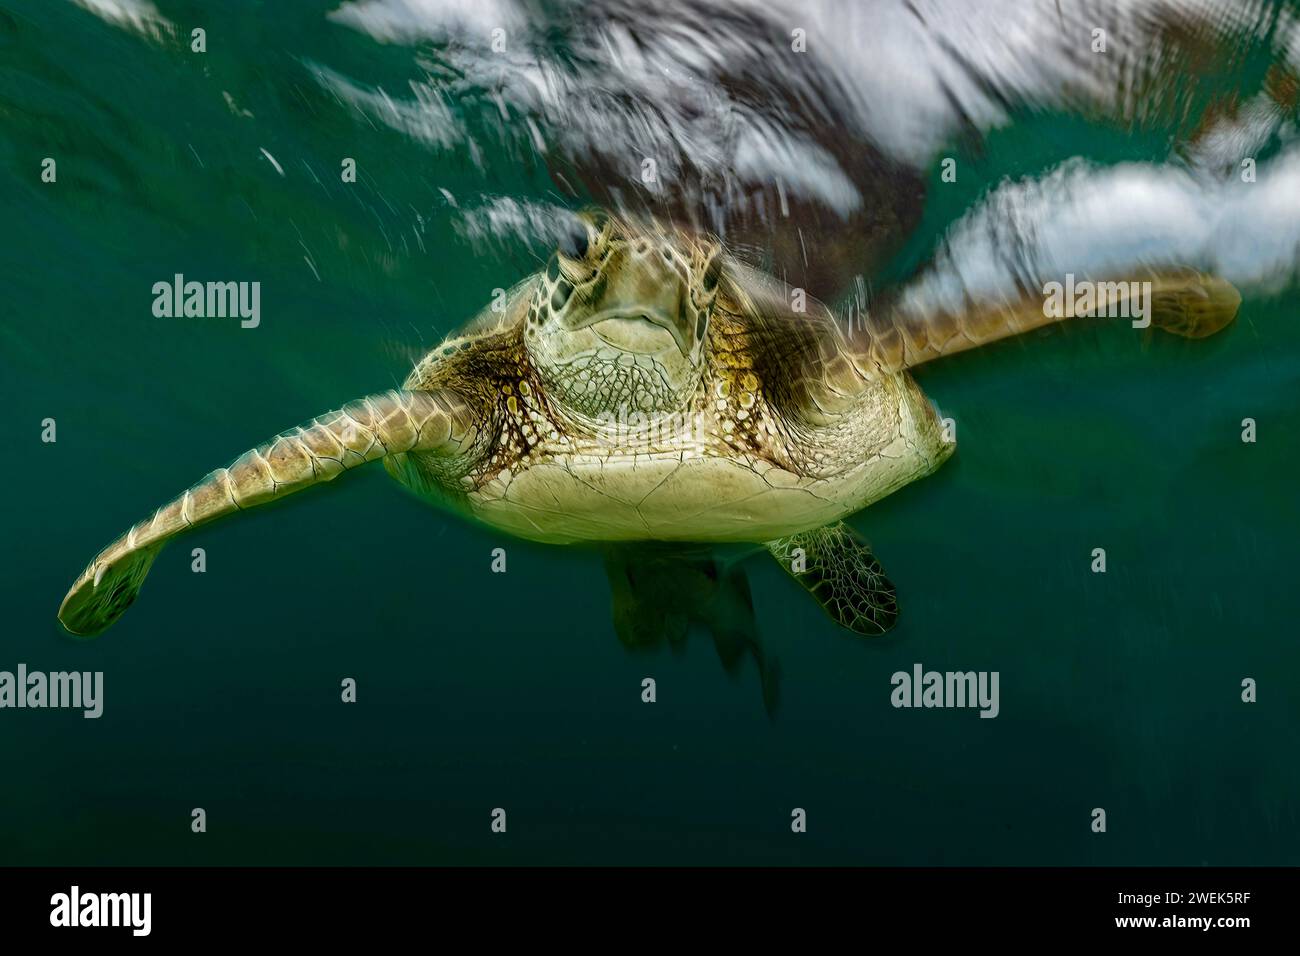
{"points": [[363, 431], [836, 566], [658, 593]]}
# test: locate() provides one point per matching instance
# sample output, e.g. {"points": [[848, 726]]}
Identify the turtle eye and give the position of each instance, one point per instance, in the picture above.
{"points": [[712, 274], [575, 241]]}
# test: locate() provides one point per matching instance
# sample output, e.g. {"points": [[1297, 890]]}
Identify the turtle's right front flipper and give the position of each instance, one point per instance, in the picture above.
{"points": [[366, 430]]}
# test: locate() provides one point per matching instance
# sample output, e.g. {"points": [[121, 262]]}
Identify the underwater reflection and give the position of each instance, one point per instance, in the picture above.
{"points": [[804, 131]]}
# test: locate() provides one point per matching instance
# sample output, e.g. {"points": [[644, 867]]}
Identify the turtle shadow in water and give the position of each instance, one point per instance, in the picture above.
{"points": [[659, 592]]}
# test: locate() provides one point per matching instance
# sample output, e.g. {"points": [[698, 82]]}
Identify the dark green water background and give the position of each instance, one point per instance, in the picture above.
{"points": [[479, 690]]}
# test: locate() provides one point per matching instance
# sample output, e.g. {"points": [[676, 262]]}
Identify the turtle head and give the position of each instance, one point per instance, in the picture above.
{"points": [[621, 314]]}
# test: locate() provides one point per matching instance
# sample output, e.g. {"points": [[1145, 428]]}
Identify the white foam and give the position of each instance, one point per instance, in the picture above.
{"points": [[1102, 221], [408, 20], [139, 16]]}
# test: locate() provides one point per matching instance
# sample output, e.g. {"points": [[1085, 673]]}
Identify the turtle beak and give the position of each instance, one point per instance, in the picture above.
{"points": [[681, 326], [644, 290], [643, 330]]}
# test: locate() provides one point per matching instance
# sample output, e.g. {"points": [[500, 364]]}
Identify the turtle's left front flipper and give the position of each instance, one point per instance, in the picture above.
{"points": [[923, 324], [837, 567]]}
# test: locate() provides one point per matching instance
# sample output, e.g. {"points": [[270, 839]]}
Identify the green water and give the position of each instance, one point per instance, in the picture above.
{"points": [[480, 690]]}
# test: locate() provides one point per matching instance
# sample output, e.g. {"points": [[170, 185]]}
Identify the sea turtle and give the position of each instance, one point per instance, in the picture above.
{"points": [[649, 386]]}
